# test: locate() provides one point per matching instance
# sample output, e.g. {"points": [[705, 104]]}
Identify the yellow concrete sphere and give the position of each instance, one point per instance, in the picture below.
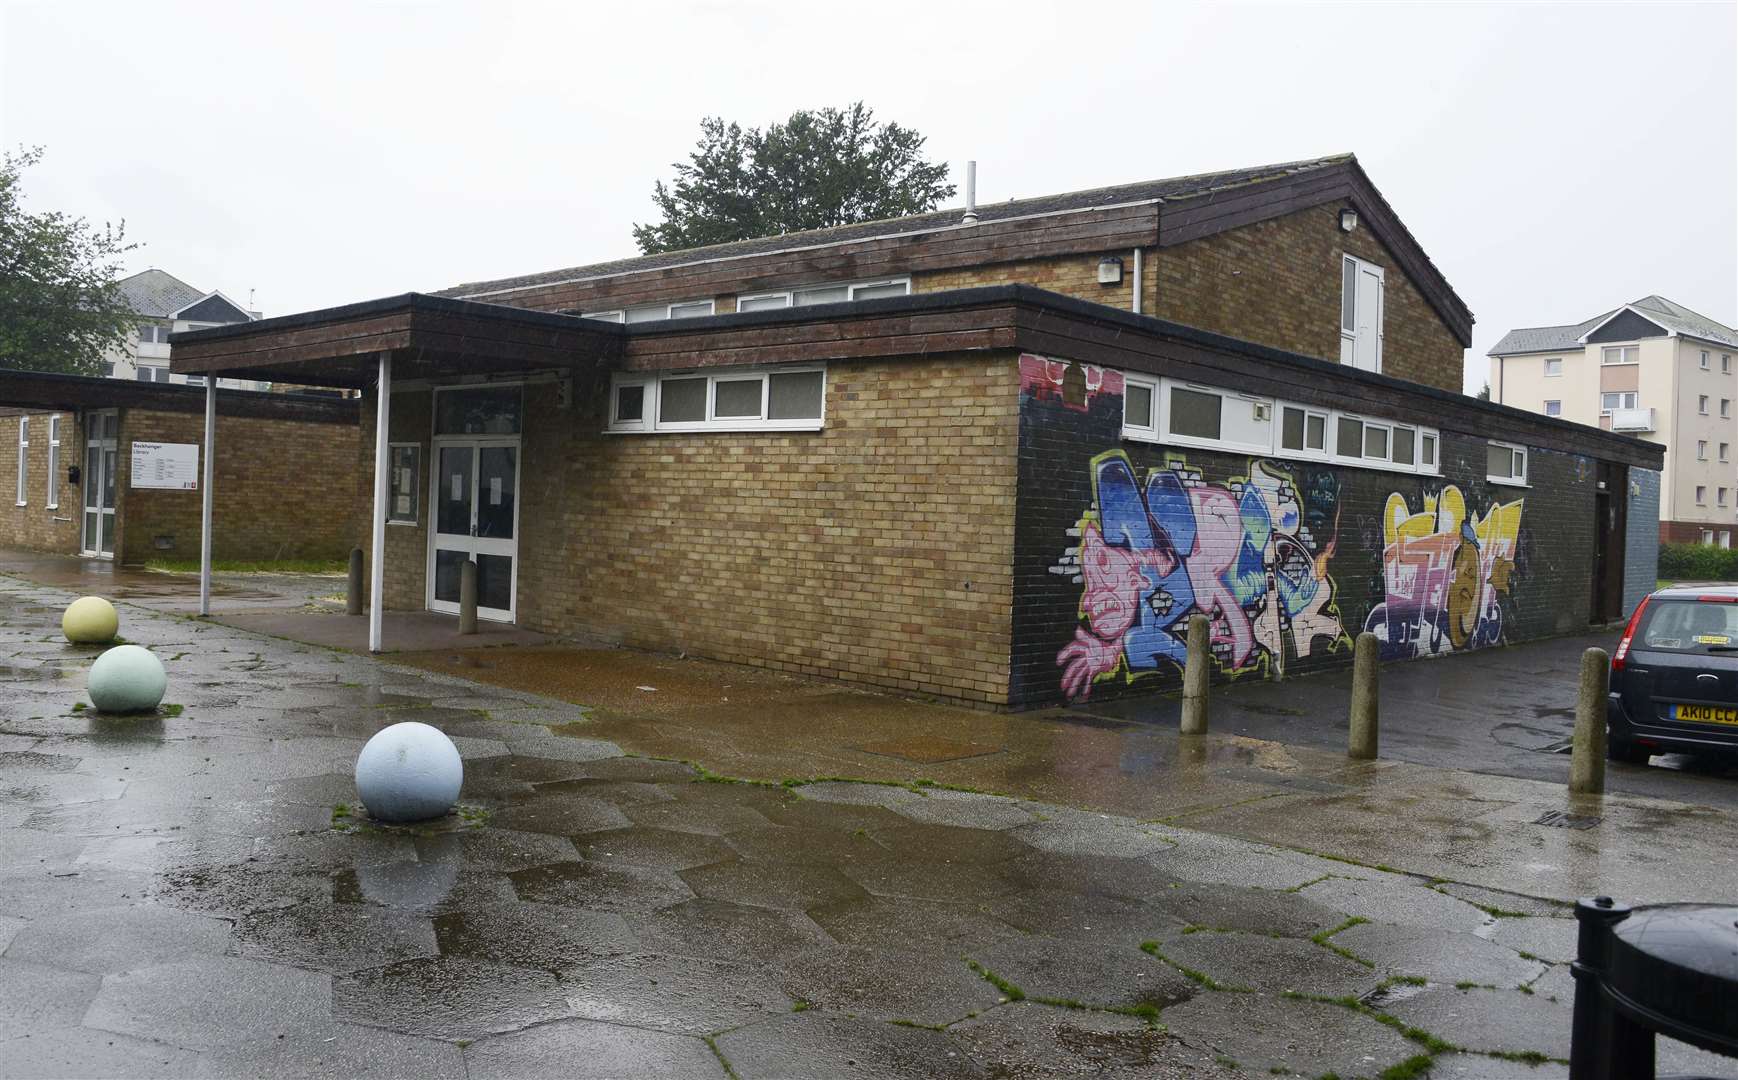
{"points": [[90, 620]]}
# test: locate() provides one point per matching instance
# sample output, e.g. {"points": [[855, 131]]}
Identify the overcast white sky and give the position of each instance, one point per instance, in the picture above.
{"points": [[1555, 160]]}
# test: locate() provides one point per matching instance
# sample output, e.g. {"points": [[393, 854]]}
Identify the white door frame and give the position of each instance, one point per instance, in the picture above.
{"points": [[87, 547], [473, 544]]}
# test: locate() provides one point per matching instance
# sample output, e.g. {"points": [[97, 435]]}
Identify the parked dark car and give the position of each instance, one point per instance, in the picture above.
{"points": [[1674, 676]]}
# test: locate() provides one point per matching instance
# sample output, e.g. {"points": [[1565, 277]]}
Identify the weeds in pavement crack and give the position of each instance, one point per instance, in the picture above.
{"points": [[1323, 937], [1151, 948]]}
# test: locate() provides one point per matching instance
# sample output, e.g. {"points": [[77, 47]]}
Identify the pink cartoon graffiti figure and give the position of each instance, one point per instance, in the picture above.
{"points": [[1112, 584]]}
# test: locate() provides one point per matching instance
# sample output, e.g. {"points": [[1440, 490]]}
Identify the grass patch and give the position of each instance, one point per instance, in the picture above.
{"points": [[712, 1045], [171, 709], [80, 706], [263, 566], [1473, 986], [1418, 1065], [799, 1005], [1151, 948], [918, 1026], [1008, 989], [1302, 885], [1524, 1057], [1418, 1035], [1323, 939]]}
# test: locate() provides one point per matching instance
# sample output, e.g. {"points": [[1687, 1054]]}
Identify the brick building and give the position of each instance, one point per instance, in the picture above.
{"points": [[285, 471], [996, 456]]}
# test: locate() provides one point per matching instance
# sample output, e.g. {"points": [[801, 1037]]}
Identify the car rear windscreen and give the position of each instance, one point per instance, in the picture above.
{"points": [[1688, 626]]}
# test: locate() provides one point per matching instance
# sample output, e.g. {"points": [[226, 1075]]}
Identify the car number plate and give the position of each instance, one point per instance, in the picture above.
{"points": [[1705, 714]]}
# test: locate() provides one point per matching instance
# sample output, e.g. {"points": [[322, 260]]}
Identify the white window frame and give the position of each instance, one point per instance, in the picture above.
{"points": [[1526, 471], [1720, 497], [1623, 355], [1704, 359], [1725, 408], [1556, 372], [1725, 363], [1634, 396], [1141, 432], [1725, 451], [1701, 495], [620, 315], [1701, 449], [1426, 442], [649, 422], [1554, 407], [23, 460], [1702, 404], [53, 461], [789, 296], [1349, 337]]}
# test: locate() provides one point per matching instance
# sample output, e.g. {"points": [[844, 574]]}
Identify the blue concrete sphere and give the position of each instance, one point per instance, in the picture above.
{"points": [[409, 772], [127, 679]]}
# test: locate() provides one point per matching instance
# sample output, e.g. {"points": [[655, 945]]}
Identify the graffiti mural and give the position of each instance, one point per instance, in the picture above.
{"points": [[1445, 575], [1248, 554]]}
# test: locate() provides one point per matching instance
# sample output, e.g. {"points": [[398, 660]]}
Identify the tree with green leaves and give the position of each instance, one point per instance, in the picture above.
{"points": [[60, 307], [817, 169]]}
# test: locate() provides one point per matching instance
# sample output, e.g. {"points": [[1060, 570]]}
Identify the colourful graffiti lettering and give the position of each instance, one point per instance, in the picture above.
{"points": [[1240, 553], [1445, 575]]}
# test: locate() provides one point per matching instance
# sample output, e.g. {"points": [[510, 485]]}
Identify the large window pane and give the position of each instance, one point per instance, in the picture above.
{"points": [[1348, 294], [691, 311], [650, 313], [1316, 432], [630, 403], [478, 411], [737, 399], [1291, 429], [876, 292], [497, 487], [827, 294], [764, 303], [1499, 461], [453, 495], [1375, 442], [795, 396], [1403, 446], [495, 582], [1349, 438], [682, 401], [448, 566], [1137, 405], [1194, 414]]}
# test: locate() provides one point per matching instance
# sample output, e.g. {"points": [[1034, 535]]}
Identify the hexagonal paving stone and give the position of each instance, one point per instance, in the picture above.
{"points": [[335, 1052], [35, 894], [505, 850], [561, 815], [885, 796], [1400, 904], [1438, 955], [683, 994], [335, 937], [659, 849], [919, 987], [118, 939], [1023, 1039], [35, 998], [818, 1044], [805, 813], [233, 890], [541, 936], [420, 887], [802, 844], [334, 850], [1489, 1019], [1061, 912], [1480, 1067], [884, 922], [448, 998], [1082, 833], [600, 887], [210, 1001], [620, 792], [1102, 875], [1094, 970], [707, 818], [1261, 1033], [713, 928], [565, 748], [967, 809], [586, 1050], [76, 1053], [951, 844], [888, 874], [636, 769], [1239, 907], [1199, 857], [9, 928], [1253, 961], [772, 885], [1549, 939]]}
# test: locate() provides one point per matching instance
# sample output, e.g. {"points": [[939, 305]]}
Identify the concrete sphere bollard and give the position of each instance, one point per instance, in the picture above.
{"points": [[127, 679], [90, 620], [409, 772]]}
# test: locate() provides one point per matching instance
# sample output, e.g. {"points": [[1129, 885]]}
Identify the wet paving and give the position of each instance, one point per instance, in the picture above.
{"points": [[198, 893]]}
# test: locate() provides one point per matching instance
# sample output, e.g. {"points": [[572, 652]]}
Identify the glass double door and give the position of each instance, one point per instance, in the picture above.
{"points": [[476, 517], [97, 533]]}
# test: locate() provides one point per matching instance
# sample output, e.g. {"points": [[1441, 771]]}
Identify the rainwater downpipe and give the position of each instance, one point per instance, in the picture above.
{"points": [[1136, 306]]}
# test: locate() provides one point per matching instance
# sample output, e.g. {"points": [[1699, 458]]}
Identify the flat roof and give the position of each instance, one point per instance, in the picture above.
{"points": [[29, 390]]}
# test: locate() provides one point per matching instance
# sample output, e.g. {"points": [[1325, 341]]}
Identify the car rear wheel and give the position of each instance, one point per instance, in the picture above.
{"points": [[1627, 752]]}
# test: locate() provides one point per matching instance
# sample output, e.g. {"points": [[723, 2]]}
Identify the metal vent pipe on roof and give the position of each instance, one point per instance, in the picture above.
{"points": [[971, 217]]}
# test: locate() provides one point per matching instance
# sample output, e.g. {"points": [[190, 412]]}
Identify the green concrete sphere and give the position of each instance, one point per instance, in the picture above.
{"points": [[90, 620], [127, 679]]}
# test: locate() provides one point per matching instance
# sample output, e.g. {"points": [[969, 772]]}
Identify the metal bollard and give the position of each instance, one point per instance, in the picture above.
{"points": [[468, 597], [1195, 676], [1587, 748], [353, 588], [1364, 712]]}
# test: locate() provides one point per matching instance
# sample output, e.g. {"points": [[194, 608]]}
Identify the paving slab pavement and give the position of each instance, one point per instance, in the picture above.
{"points": [[198, 893]]}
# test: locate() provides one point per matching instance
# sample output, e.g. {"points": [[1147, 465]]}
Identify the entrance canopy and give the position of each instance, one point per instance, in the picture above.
{"points": [[427, 336]]}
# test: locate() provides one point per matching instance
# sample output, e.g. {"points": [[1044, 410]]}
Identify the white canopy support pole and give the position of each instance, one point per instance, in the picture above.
{"points": [[377, 560], [205, 495]]}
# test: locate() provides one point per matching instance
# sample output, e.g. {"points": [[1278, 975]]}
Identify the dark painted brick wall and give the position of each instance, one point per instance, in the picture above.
{"points": [[1641, 555], [1292, 559]]}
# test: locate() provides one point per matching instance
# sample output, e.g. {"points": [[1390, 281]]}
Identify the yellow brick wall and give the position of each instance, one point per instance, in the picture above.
{"points": [[1277, 282], [284, 489], [1070, 275], [878, 550], [36, 526]]}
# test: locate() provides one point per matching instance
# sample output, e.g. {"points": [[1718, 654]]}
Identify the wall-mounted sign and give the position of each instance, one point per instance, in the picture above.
{"points": [[174, 466]]}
